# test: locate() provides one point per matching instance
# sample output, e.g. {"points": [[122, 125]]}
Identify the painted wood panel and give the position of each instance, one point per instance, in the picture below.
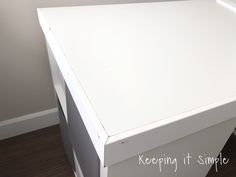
{"points": [[81, 142]]}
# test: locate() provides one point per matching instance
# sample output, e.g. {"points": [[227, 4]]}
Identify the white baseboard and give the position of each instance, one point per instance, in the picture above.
{"points": [[28, 123]]}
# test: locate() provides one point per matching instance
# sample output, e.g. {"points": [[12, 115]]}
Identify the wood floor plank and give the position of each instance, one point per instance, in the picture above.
{"points": [[228, 170], [36, 154]]}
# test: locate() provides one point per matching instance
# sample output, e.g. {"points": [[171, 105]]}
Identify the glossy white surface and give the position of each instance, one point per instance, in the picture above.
{"points": [[141, 63], [231, 4]]}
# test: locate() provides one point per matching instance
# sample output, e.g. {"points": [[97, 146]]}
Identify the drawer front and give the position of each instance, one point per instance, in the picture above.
{"points": [[65, 136], [81, 143]]}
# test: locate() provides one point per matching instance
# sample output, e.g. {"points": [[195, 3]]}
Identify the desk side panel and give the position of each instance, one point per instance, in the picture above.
{"points": [[82, 144]]}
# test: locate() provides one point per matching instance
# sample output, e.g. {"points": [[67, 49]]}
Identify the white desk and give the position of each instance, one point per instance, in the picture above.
{"points": [[147, 76]]}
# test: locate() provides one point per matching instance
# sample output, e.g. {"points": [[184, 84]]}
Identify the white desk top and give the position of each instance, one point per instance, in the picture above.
{"points": [[142, 63]]}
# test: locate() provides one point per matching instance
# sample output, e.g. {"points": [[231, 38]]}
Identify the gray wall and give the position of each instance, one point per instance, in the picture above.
{"points": [[25, 81]]}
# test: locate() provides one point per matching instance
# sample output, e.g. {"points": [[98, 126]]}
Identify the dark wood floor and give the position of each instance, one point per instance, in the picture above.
{"points": [[41, 154], [229, 151], [36, 154]]}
